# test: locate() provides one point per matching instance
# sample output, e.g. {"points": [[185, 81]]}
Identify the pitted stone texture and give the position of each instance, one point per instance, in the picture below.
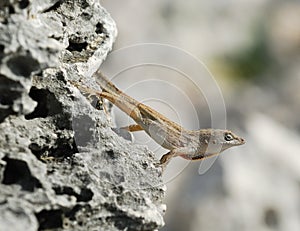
{"points": [[46, 183]]}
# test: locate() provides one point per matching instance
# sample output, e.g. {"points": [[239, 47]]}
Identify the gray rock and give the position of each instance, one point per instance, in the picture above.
{"points": [[61, 165]]}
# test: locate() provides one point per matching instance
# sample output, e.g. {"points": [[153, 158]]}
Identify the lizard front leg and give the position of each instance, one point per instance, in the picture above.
{"points": [[165, 159]]}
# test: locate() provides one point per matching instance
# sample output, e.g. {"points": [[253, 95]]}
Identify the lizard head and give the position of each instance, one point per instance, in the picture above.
{"points": [[229, 139], [222, 140]]}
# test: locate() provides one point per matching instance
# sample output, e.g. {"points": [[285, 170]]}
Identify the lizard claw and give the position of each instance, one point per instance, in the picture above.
{"points": [[161, 166]]}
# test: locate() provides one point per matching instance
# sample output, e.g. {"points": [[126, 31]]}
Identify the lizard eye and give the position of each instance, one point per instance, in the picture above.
{"points": [[228, 137]]}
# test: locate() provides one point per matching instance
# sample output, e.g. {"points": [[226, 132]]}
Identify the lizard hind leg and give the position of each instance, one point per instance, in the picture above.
{"points": [[125, 131], [133, 128]]}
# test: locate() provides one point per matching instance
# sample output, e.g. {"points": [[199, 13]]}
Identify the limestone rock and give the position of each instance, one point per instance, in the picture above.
{"points": [[61, 165]]}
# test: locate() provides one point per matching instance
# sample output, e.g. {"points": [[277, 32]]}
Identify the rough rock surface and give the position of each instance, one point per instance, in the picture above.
{"points": [[46, 183]]}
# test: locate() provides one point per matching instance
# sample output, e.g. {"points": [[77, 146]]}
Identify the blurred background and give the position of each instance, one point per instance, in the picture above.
{"points": [[252, 48]]}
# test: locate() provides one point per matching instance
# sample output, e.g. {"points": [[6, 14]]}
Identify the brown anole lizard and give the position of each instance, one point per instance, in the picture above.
{"points": [[189, 144]]}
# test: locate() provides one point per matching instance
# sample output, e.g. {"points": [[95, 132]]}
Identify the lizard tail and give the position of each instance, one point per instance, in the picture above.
{"points": [[105, 84]]}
